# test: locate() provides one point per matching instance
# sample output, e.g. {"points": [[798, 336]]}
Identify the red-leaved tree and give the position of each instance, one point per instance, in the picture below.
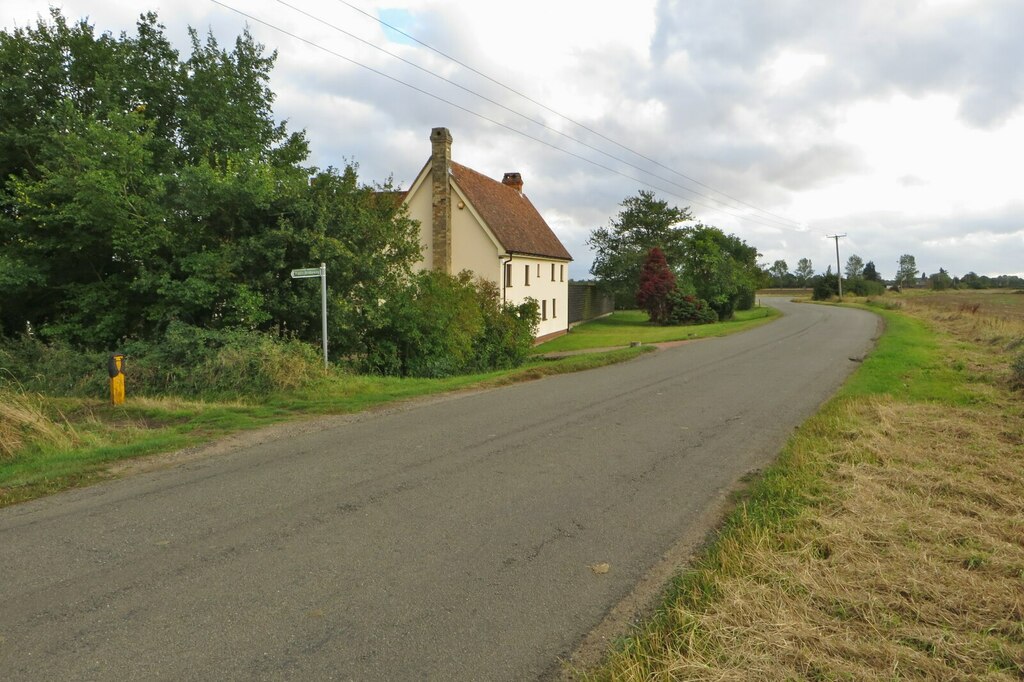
{"points": [[656, 283]]}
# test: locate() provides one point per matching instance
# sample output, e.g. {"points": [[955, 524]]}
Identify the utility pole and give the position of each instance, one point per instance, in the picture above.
{"points": [[839, 272]]}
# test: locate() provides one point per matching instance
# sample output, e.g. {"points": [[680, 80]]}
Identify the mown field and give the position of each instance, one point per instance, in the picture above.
{"points": [[888, 540]]}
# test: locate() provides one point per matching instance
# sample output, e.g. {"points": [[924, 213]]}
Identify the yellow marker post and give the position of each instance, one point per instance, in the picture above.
{"points": [[115, 368]]}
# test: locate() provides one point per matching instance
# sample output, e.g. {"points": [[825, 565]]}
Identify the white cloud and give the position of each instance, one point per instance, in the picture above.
{"points": [[897, 123]]}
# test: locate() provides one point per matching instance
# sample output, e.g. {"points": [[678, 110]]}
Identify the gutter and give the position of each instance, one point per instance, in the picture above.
{"points": [[504, 284]]}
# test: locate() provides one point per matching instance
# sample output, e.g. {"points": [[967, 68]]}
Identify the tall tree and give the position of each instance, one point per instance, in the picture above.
{"points": [[719, 268], [655, 285], [644, 222], [907, 271], [779, 271], [804, 271], [854, 267], [870, 273]]}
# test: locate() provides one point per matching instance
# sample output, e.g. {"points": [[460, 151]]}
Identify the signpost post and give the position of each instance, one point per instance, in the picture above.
{"points": [[321, 272]]}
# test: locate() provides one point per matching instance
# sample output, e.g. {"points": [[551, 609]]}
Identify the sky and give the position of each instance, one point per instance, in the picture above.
{"points": [[897, 123]]}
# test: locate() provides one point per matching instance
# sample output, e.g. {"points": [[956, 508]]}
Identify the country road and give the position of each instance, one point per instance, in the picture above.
{"points": [[448, 539]]}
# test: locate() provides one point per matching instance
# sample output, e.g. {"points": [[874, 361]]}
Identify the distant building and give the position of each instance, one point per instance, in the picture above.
{"points": [[469, 221]]}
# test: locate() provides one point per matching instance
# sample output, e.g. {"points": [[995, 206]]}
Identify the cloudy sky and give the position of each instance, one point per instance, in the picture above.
{"points": [[899, 123]]}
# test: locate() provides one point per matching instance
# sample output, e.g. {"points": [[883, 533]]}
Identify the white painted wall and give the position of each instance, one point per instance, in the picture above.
{"points": [[552, 296]]}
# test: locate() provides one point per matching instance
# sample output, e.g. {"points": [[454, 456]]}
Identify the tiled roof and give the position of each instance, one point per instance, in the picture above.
{"points": [[509, 215]]}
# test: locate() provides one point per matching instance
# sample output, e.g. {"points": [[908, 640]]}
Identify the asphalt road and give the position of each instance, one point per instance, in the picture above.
{"points": [[449, 539]]}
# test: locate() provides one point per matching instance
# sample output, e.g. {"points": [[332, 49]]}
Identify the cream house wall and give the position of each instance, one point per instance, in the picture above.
{"points": [[474, 248], [551, 296], [419, 203]]}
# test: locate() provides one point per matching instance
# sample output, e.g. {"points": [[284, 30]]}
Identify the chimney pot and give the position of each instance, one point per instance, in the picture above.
{"points": [[513, 180]]}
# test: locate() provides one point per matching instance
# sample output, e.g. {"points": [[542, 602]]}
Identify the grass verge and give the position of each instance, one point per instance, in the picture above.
{"points": [[50, 444], [624, 327], [887, 542]]}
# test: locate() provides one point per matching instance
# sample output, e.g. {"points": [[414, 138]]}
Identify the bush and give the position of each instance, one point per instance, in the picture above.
{"points": [[442, 325], [746, 299], [825, 287], [196, 362], [688, 309], [508, 331], [188, 361], [864, 287], [54, 368]]}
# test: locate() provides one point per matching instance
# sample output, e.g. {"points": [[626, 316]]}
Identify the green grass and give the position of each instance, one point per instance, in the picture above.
{"points": [[102, 435], [624, 327], [909, 363]]}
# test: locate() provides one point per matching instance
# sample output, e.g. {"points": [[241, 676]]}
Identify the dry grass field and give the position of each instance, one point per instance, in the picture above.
{"points": [[888, 542]]}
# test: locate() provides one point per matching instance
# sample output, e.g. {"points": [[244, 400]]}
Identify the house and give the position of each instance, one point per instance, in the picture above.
{"points": [[469, 221]]}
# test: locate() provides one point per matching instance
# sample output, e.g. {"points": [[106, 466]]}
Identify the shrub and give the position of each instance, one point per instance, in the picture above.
{"points": [[688, 309], [188, 361], [441, 325], [825, 287], [745, 299], [508, 331], [864, 287], [55, 368]]}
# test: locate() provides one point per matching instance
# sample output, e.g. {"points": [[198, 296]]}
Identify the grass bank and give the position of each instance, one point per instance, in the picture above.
{"points": [[887, 542], [49, 444], [624, 327]]}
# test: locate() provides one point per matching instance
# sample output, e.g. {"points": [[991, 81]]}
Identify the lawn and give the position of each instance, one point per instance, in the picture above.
{"points": [[625, 327]]}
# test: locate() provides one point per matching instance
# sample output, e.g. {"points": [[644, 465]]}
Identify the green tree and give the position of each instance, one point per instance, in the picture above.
{"points": [[825, 286], [870, 273], [804, 271], [644, 222], [854, 267], [720, 269], [139, 189], [779, 271], [941, 280], [907, 271]]}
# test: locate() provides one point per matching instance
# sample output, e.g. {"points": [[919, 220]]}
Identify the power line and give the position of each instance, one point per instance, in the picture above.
{"points": [[781, 224], [311, 43], [561, 115]]}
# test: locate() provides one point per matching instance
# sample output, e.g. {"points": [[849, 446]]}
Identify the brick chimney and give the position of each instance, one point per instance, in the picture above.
{"points": [[513, 180], [441, 194]]}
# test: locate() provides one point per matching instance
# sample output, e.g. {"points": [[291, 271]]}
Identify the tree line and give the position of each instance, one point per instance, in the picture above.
{"points": [[141, 189], [863, 278]]}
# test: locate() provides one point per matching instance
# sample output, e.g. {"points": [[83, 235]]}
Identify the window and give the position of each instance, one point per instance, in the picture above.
{"points": [[538, 270], [553, 313], [508, 274], [526, 277], [544, 309], [552, 272], [561, 270]]}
